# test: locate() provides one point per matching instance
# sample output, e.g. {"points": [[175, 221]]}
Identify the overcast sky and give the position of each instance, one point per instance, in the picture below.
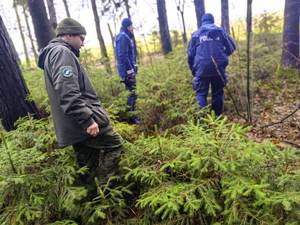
{"points": [[145, 14]]}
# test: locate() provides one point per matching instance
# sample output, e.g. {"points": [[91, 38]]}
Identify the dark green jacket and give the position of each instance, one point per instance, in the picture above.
{"points": [[74, 102]]}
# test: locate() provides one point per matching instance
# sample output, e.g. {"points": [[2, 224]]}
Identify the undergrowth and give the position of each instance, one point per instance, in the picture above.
{"points": [[209, 174]]}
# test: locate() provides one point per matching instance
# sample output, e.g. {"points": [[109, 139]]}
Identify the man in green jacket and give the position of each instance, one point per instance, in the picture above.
{"points": [[78, 116]]}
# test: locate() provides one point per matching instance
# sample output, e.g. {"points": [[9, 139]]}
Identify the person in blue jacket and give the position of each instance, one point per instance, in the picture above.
{"points": [[208, 52], [126, 63]]}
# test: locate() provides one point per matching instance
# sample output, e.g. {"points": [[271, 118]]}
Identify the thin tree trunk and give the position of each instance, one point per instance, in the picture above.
{"points": [[14, 94], [43, 31], [13, 49], [225, 15], [52, 14], [249, 39], [104, 55], [112, 37], [184, 37], [164, 27], [200, 10], [30, 34], [66, 8], [127, 8], [180, 9], [22, 35], [290, 42]]}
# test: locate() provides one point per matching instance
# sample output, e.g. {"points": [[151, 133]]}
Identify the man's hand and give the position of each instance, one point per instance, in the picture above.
{"points": [[93, 129]]}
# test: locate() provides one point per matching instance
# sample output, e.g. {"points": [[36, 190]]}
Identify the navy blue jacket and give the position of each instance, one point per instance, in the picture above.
{"points": [[206, 43], [126, 53]]}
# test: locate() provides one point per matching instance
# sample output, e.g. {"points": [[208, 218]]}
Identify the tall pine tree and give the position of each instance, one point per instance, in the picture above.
{"points": [[164, 27], [42, 28]]}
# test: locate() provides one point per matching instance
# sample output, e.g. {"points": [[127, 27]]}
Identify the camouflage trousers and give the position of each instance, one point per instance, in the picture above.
{"points": [[101, 155]]}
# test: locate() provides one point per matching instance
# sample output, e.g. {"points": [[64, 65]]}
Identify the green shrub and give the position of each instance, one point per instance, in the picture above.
{"points": [[34, 179], [38, 182], [35, 82], [165, 95], [213, 174], [209, 174]]}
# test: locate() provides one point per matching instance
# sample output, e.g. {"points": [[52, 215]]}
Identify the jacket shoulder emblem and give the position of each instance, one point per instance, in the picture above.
{"points": [[66, 71]]}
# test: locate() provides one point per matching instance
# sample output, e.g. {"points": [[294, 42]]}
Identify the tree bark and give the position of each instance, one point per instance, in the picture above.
{"points": [[225, 15], [66, 8], [43, 31], [200, 10], [104, 55], [30, 34], [14, 94], [11, 45], [249, 39], [290, 42], [164, 27], [22, 35], [52, 14]]}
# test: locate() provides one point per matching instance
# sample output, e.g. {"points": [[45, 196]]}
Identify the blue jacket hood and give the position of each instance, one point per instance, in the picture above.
{"points": [[207, 18]]}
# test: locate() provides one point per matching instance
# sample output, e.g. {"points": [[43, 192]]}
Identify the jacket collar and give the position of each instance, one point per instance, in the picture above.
{"points": [[126, 31]]}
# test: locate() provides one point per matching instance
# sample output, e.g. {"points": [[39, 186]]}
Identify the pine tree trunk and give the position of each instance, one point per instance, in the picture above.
{"points": [[11, 45], [225, 15], [200, 10], [164, 27], [104, 55], [30, 34], [52, 14], [66, 8], [22, 35], [290, 42], [13, 91], [249, 39], [43, 31]]}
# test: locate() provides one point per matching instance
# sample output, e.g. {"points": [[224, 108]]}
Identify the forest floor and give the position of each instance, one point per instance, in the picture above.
{"points": [[276, 116]]}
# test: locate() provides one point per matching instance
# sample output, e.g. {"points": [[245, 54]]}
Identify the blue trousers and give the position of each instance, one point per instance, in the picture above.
{"points": [[131, 101], [201, 87]]}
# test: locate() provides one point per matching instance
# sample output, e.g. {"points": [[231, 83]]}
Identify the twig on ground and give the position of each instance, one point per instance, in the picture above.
{"points": [[282, 120], [292, 143]]}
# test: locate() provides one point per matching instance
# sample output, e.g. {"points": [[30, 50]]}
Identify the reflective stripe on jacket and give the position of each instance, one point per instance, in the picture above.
{"points": [[125, 54]]}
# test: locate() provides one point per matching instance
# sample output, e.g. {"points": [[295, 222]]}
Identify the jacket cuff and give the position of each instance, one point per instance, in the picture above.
{"points": [[87, 123]]}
